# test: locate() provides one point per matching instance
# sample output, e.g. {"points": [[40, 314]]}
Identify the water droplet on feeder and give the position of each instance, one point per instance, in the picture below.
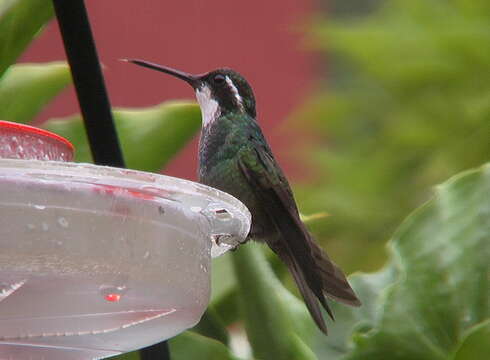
{"points": [[113, 293], [63, 222]]}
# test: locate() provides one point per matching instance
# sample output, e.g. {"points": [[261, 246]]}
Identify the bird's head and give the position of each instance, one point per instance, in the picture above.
{"points": [[219, 92]]}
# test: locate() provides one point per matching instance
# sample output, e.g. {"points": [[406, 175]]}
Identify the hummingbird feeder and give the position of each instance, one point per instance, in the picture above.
{"points": [[95, 260]]}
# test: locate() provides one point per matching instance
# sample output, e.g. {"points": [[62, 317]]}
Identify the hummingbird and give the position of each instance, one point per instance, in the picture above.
{"points": [[235, 157]]}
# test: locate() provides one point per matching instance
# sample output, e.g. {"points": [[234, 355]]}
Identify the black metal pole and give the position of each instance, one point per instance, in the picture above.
{"points": [[89, 83], [158, 351], [94, 103]]}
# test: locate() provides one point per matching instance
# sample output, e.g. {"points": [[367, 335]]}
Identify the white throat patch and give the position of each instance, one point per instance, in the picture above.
{"points": [[209, 106]]}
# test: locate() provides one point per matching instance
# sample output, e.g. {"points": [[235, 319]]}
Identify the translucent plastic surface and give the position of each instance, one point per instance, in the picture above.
{"points": [[95, 261], [19, 141]]}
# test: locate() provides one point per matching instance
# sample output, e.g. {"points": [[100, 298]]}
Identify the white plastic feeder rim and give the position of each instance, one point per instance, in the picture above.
{"points": [[96, 261]]}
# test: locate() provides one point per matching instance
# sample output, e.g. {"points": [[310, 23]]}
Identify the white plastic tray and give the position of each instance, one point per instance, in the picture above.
{"points": [[95, 261]]}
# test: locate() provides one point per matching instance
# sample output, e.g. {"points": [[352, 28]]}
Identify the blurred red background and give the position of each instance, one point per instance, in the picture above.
{"points": [[261, 39]]}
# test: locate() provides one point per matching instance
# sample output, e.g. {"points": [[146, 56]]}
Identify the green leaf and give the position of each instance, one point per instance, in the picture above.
{"points": [[149, 137], [476, 343], [313, 217], [407, 106], [190, 345], [227, 304], [26, 88], [20, 21], [268, 320], [211, 325], [133, 355], [369, 288], [433, 295]]}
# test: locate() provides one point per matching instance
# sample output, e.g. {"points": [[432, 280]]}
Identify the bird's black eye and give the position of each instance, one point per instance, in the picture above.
{"points": [[219, 79]]}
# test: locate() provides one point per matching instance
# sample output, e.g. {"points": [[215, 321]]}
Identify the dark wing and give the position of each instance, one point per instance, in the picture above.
{"points": [[313, 272]]}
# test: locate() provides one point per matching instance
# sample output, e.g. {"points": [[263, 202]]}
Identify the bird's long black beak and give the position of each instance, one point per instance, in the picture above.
{"points": [[192, 80]]}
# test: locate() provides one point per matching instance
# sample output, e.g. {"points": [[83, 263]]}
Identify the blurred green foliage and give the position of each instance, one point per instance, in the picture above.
{"points": [[20, 22], [191, 345], [407, 106], [432, 299], [26, 88]]}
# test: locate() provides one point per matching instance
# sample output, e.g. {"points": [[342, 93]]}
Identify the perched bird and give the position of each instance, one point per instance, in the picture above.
{"points": [[235, 157]]}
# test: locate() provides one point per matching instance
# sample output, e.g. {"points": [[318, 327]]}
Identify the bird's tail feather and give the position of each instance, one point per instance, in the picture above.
{"points": [[309, 296], [315, 274], [335, 284]]}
